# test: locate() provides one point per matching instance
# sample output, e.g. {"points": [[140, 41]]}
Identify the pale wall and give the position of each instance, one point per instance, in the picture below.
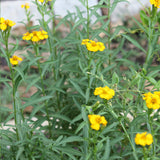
{"points": [[12, 9]]}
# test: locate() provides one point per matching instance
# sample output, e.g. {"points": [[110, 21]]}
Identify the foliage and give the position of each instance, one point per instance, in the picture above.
{"points": [[68, 80]]}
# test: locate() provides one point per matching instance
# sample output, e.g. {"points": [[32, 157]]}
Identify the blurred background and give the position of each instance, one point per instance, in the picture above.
{"points": [[11, 9]]}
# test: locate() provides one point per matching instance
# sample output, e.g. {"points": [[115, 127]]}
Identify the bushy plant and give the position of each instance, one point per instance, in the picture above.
{"points": [[93, 96]]}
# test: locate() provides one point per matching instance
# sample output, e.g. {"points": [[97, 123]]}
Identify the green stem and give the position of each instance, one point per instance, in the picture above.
{"points": [[144, 153], [150, 121], [36, 48], [124, 129], [88, 22], [95, 148], [13, 83], [109, 37]]}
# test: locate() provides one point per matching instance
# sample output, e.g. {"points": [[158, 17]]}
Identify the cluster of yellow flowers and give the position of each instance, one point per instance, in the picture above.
{"points": [[152, 99], [104, 92], [96, 121], [5, 23], [92, 45], [156, 3], [44, 0], [15, 59], [26, 6], [35, 36], [143, 139]]}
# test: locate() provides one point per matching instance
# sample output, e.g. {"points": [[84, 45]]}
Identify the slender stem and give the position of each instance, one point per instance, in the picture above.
{"points": [[144, 153], [109, 37], [150, 120], [88, 22], [124, 129], [95, 147], [36, 48], [13, 83]]}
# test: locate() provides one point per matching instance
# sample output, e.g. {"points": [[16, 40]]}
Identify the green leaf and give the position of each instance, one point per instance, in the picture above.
{"points": [[77, 87], [20, 151], [115, 78], [109, 128], [144, 18], [35, 101], [107, 149], [80, 127], [20, 71], [152, 80], [61, 117], [71, 139], [134, 42]]}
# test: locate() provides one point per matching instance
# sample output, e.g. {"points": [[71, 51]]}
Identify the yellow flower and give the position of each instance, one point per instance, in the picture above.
{"points": [[41, 1], [156, 3], [15, 59], [92, 46], [143, 139], [105, 92], [42, 35], [157, 93], [85, 41], [44, 0], [27, 36], [6, 23], [146, 95], [26, 6], [9, 23], [35, 36], [101, 46], [152, 100], [3, 25], [96, 121], [98, 91]]}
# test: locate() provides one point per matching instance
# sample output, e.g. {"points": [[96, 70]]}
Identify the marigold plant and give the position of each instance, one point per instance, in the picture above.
{"points": [[104, 92], [35, 36], [143, 139], [156, 3], [15, 60], [93, 46], [44, 0], [5, 23], [152, 100], [96, 121], [26, 6]]}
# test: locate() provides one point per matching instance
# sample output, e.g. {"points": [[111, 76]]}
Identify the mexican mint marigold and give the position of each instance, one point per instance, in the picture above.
{"points": [[85, 41], [96, 121], [101, 46], [104, 92], [41, 1], [93, 46], [15, 60], [143, 139], [157, 93], [35, 36], [152, 100], [27, 36], [26, 6], [156, 3], [4, 24]]}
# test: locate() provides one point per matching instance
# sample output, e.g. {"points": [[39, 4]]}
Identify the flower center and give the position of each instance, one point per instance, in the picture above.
{"points": [[153, 101], [93, 44], [98, 120], [15, 58]]}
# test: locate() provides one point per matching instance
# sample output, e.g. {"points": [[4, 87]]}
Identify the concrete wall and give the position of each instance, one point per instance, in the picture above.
{"points": [[12, 9]]}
